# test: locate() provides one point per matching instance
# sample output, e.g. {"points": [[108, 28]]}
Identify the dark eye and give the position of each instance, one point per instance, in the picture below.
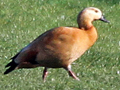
{"points": [[96, 11]]}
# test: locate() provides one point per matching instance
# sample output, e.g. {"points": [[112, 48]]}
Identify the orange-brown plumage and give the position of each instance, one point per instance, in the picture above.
{"points": [[59, 47]]}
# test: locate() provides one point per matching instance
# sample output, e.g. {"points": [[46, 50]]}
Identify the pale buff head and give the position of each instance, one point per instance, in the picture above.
{"points": [[89, 15]]}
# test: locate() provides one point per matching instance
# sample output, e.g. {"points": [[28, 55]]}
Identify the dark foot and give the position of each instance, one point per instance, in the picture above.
{"points": [[45, 73]]}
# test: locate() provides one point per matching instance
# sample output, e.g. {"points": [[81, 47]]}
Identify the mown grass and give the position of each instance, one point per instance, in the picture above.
{"points": [[21, 21]]}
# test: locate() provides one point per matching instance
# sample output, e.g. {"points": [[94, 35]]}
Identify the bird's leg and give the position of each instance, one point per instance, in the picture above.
{"points": [[71, 73], [45, 73]]}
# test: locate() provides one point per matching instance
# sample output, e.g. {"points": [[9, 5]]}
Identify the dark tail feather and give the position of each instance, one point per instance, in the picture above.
{"points": [[12, 65], [9, 64]]}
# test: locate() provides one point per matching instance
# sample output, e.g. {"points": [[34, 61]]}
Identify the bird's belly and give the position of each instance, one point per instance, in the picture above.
{"points": [[54, 57], [50, 63]]}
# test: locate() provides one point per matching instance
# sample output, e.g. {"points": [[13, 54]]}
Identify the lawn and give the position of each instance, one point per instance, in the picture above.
{"points": [[21, 21]]}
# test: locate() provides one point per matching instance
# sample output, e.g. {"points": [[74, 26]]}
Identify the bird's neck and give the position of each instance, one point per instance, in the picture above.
{"points": [[89, 28], [85, 25]]}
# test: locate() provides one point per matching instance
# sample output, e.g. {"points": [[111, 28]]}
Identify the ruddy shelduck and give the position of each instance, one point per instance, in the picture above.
{"points": [[59, 47]]}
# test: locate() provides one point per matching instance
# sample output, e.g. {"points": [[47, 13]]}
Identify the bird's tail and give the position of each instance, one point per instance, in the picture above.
{"points": [[12, 65]]}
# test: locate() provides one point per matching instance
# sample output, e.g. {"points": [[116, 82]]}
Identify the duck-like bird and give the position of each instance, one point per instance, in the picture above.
{"points": [[59, 47]]}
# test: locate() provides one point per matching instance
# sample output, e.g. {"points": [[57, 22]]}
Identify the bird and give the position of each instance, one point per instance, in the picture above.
{"points": [[59, 47]]}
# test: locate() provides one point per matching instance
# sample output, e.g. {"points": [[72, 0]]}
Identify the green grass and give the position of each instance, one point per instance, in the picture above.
{"points": [[21, 21]]}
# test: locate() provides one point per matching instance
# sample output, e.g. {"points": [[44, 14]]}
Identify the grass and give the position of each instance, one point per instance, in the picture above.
{"points": [[21, 21]]}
